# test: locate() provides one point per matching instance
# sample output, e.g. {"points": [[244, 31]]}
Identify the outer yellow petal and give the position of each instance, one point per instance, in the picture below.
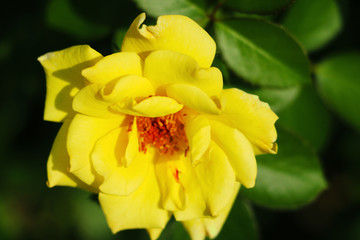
{"points": [[155, 106], [130, 86], [58, 163], [88, 101], [140, 209], [132, 149], [198, 132], [192, 97], [168, 169], [114, 66], [209, 186], [167, 67], [154, 233], [195, 228], [252, 117], [217, 178], [201, 227], [63, 78], [84, 131], [238, 150], [172, 32], [107, 158]]}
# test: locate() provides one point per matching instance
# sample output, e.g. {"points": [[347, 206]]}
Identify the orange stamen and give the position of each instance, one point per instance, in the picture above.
{"points": [[166, 133]]}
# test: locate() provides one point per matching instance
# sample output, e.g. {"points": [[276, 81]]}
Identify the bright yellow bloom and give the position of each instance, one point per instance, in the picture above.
{"points": [[151, 130]]}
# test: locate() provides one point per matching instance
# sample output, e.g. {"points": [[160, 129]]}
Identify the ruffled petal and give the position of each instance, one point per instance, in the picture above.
{"points": [[199, 228], [155, 106], [114, 66], [252, 117], [192, 97], [198, 132], [209, 186], [132, 149], [88, 102], [140, 209], [238, 150], [165, 67], [59, 163], [107, 158], [154, 233], [130, 86], [97, 100], [168, 169], [63, 78], [172, 32], [84, 131]]}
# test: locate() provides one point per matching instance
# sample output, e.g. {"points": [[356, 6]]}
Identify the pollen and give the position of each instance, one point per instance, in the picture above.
{"points": [[166, 133]]}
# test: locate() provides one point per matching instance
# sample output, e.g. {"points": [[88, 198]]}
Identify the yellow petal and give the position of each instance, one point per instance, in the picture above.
{"points": [[58, 163], [198, 132], [107, 158], [252, 117], [84, 131], [130, 86], [192, 97], [154, 233], [164, 67], [114, 66], [217, 179], [238, 150], [140, 209], [168, 169], [172, 32], [201, 227], [63, 78], [88, 101], [195, 228], [132, 149], [155, 106], [210, 187]]}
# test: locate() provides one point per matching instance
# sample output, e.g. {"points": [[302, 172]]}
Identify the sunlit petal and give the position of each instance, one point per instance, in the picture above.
{"points": [[172, 32]]}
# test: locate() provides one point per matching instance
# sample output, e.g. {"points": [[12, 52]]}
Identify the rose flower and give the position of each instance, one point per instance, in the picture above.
{"points": [[151, 130]]}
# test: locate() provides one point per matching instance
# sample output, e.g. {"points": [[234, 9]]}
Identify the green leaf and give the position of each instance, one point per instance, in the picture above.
{"points": [[339, 85], [258, 6], [289, 179], [221, 65], [262, 53], [118, 38], [174, 231], [277, 98], [314, 23], [308, 119], [194, 9], [61, 16], [90, 218], [241, 221]]}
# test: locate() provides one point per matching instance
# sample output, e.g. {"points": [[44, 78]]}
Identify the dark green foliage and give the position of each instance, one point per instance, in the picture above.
{"points": [[302, 57]]}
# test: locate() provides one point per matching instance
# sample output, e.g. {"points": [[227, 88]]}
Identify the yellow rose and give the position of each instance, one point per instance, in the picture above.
{"points": [[151, 130]]}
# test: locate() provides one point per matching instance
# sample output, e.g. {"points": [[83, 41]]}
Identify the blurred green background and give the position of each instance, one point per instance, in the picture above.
{"points": [[29, 210]]}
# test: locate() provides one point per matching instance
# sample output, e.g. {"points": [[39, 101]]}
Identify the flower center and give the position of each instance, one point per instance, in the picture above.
{"points": [[166, 133]]}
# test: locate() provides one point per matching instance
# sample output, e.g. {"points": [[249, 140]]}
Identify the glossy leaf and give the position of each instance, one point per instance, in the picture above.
{"points": [[174, 231], [339, 85], [277, 98], [314, 23], [61, 16], [195, 9], [308, 119], [258, 6], [262, 53], [289, 179], [241, 221]]}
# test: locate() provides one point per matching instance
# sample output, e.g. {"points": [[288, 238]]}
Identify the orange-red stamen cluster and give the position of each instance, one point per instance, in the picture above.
{"points": [[166, 133]]}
